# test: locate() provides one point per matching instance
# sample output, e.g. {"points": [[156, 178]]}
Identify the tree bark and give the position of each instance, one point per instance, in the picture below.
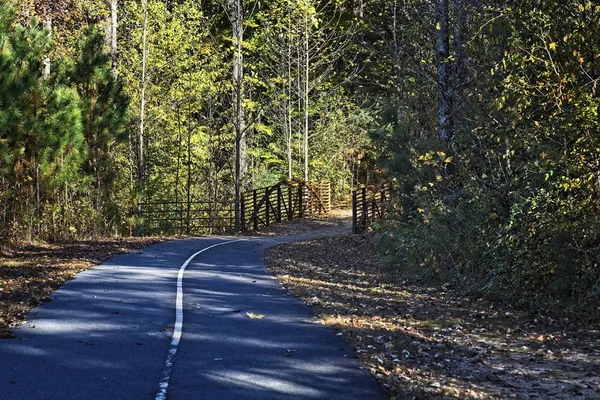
{"points": [[189, 176], [47, 61], [444, 69], [241, 165], [289, 95], [177, 171], [142, 113], [114, 24], [305, 94]]}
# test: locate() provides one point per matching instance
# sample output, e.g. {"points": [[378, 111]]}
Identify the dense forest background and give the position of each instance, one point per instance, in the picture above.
{"points": [[485, 112]]}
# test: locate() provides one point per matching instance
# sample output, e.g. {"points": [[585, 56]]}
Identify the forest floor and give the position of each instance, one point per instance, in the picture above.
{"points": [[427, 341], [29, 272]]}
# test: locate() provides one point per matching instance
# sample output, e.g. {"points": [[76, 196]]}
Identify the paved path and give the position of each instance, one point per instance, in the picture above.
{"points": [[107, 333]]}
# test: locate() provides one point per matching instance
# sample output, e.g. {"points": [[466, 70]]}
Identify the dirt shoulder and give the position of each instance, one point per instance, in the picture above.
{"points": [[30, 273], [430, 342]]}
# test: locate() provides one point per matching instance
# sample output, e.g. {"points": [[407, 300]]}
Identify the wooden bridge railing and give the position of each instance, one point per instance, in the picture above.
{"points": [[368, 204], [194, 218], [282, 202], [260, 208]]}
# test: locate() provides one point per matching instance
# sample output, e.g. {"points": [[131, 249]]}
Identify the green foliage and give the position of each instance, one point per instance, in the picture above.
{"points": [[509, 207], [41, 134], [104, 115], [59, 120]]}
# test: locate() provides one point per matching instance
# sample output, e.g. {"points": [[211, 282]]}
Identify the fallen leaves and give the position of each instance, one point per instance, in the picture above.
{"points": [[430, 342], [6, 334], [254, 316], [30, 273]]}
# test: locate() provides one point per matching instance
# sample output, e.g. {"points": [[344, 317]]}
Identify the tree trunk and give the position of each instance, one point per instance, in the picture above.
{"points": [[47, 61], [96, 168], [38, 198], [397, 54], [142, 113], [112, 36], [305, 94], [444, 68], [289, 97], [241, 165], [189, 175], [177, 171]]}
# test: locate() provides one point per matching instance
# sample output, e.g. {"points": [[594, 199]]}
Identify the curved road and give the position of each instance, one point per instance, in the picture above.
{"points": [[107, 333]]}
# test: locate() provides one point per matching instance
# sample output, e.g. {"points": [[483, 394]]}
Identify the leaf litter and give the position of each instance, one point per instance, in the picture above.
{"points": [[431, 342], [31, 272], [254, 316]]}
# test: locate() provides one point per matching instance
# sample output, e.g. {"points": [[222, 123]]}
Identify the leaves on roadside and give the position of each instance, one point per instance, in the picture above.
{"points": [[430, 342], [29, 273]]}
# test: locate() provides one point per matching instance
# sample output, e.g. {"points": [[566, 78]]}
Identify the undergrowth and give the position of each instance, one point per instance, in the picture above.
{"points": [[543, 261]]}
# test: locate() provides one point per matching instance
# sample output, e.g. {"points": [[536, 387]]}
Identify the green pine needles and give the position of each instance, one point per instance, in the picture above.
{"points": [[56, 125]]}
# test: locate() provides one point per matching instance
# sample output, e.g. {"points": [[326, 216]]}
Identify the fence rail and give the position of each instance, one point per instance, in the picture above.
{"points": [[369, 204], [284, 201], [178, 218], [259, 208]]}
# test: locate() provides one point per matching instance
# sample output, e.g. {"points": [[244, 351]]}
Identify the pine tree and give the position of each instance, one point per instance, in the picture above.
{"points": [[40, 133], [104, 115]]}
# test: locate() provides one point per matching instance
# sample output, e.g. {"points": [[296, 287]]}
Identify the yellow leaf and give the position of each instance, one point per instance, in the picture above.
{"points": [[254, 316], [449, 160], [438, 178], [581, 7], [552, 46], [438, 26]]}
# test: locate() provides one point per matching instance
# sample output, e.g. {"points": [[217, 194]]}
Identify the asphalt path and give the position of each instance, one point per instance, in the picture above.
{"points": [[107, 333]]}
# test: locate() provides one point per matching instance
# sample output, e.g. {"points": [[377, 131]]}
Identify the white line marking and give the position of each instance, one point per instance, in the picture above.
{"points": [[163, 385]]}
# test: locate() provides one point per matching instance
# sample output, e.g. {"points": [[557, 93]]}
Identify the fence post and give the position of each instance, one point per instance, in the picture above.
{"points": [[180, 217], [300, 200], [278, 215], [365, 210], [254, 210], [354, 212], [290, 208], [310, 198], [267, 201], [318, 199], [374, 207], [327, 190], [242, 212]]}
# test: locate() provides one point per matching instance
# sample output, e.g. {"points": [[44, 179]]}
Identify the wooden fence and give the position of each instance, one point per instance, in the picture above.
{"points": [[368, 204], [259, 208], [284, 201], [195, 218]]}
